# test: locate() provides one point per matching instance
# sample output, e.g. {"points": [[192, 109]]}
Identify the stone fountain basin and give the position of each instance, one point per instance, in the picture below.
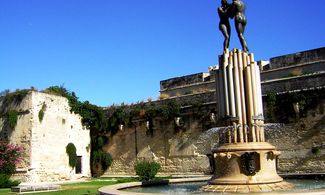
{"points": [[119, 189]]}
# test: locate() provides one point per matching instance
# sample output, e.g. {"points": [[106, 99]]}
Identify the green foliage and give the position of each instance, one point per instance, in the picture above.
{"points": [[101, 141], [93, 117], [106, 160], [315, 150], [12, 118], [146, 170], [123, 114], [271, 98], [118, 115], [169, 109], [103, 158], [9, 100], [100, 160], [71, 96], [72, 154], [57, 90], [15, 97], [41, 112], [6, 182]]}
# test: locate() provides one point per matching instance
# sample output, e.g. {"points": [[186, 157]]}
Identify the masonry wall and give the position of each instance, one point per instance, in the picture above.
{"points": [[183, 150], [304, 82], [179, 150], [299, 58], [22, 133], [45, 140]]}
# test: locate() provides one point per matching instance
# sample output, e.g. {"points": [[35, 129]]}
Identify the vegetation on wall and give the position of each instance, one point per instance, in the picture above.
{"points": [[107, 120], [103, 122], [12, 118], [14, 97], [72, 154], [280, 107], [10, 100], [316, 150], [41, 112]]}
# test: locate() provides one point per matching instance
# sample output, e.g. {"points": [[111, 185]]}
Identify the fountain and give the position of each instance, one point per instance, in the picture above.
{"points": [[244, 161]]}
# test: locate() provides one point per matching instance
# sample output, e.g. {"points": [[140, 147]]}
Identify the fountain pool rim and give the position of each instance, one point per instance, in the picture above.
{"points": [[117, 188]]}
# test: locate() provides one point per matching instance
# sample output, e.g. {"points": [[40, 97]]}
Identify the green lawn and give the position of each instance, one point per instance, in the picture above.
{"points": [[83, 188]]}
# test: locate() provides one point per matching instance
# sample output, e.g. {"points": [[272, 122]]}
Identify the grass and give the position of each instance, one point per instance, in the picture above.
{"points": [[4, 191], [82, 188]]}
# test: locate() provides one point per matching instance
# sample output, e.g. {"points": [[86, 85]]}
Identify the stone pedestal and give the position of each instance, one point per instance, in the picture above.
{"points": [[244, 161]]}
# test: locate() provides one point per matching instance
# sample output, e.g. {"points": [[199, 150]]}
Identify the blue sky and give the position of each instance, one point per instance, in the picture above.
{"points": [[114, 51]]}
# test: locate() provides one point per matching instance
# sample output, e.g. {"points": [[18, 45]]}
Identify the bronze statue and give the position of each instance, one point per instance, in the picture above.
{"points": [[224, 25], [235, 10]]}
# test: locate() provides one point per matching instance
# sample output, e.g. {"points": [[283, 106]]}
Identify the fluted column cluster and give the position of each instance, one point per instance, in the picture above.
{"points": [[239, 97]]}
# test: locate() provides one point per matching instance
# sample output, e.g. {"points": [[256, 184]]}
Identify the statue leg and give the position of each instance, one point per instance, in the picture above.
{"points": [[226, 35], [240, 28]]}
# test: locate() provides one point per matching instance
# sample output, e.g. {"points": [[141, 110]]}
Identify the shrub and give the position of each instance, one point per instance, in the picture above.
{"points": [[106, 160], [6, 182], [72, 153], [103, 158], [10, 155], [146, 170]]}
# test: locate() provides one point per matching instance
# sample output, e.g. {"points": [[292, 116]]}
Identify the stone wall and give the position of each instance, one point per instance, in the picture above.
{"points": [[183, 81], [314, 55], [179, 150], [305, 82], [197, 88], [296, 140], [183, 150], [303, 69], [45, 140], [22, 133]]}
